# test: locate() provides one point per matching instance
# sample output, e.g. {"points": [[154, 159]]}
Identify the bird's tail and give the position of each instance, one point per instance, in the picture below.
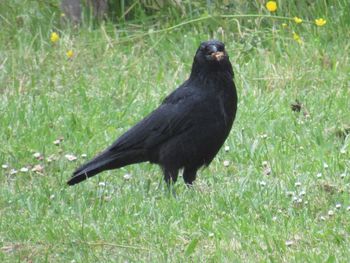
{"points": [[105, 161]]}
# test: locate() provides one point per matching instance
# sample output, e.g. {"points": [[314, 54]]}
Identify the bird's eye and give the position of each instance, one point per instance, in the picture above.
{"points": [[204, 48]]}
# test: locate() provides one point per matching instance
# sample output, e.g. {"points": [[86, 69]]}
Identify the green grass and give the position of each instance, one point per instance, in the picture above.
{"points": [[118, 75]]}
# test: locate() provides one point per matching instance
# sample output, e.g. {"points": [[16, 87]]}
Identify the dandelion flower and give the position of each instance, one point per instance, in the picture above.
{"points": [[320, 22], [54, 37], [271, 6], [70, 53], [297, 38], [298, 20]]}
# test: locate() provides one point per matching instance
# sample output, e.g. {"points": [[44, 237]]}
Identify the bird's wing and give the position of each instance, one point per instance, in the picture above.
{"points": [[167, 121]]}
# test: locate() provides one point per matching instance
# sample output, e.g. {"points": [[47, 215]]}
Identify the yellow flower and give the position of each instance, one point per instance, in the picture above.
{"points": [[297, 38], [320, 22], [284, 25], [271, 6], [298, 20], [70, 53], [54, 37]]}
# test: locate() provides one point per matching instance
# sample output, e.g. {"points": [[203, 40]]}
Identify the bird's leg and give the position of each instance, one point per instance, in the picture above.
{"points": [[170, 176], [189, 175]]}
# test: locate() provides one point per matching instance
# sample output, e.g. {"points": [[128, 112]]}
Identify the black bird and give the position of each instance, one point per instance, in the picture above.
{"points": [[186, 131]]}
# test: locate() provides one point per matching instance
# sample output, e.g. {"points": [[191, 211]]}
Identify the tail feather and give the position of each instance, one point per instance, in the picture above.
{"points": [[105, 161], [93, 167]]}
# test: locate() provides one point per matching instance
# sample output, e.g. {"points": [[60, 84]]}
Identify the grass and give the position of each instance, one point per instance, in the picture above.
{"points": [[276, 201]]}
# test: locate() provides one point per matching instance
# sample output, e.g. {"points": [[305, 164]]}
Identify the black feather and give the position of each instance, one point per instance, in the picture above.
{"points": [[188, 128]]}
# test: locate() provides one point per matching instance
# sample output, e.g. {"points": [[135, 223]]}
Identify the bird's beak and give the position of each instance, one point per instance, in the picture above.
{"points": [[218, 55]]}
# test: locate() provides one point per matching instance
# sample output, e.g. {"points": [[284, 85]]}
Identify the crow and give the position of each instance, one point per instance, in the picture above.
{"points": [[186, 131]]}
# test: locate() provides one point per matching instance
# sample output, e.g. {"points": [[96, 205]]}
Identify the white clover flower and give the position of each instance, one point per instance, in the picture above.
{"points": [[289, 243], [70, 157], [127, 176], [302, 193], [38, 168], [290, 193], [297, 184], [263, 136], [262, 183], [37, 155], [24, 169], [13, 171]]}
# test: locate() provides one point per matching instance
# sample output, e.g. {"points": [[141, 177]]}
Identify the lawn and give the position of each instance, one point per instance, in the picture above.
{"points": [[278, 191]]}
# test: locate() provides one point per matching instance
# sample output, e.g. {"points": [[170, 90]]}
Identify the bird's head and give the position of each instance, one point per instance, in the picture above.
{"points": [[211, 56], [211, 51]]}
